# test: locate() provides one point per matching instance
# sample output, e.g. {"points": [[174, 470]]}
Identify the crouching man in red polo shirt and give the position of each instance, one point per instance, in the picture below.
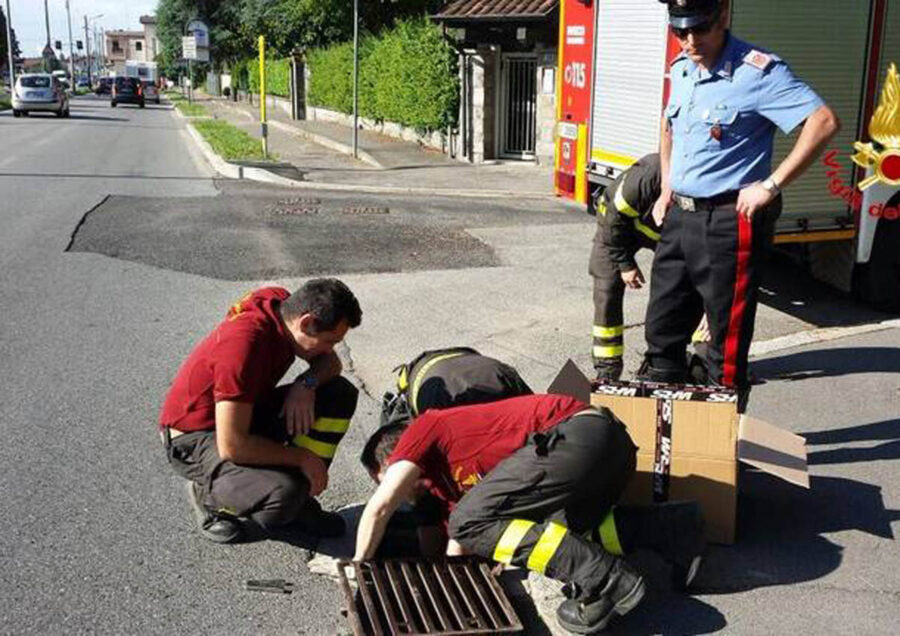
{"points": [[252, 450], [532, 481]]}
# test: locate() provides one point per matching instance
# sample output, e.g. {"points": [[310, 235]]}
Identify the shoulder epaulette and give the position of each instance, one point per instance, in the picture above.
{"points": [[760, 59]]}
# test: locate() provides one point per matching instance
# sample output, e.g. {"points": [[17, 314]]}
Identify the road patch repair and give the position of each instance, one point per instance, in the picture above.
{"points": [[238, 238]]}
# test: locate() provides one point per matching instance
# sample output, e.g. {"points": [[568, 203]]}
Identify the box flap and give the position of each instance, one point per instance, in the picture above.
{"points": [[571, 381], [774, 450]]}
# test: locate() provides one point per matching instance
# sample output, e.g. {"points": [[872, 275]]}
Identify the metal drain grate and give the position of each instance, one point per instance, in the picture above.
{"points": [[456, 596]]}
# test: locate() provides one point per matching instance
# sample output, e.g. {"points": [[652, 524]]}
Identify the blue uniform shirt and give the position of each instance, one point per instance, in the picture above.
{"points": [[723, 121]]}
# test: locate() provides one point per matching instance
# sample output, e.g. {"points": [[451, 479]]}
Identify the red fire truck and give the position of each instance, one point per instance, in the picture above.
{"points": [[614, 58]]}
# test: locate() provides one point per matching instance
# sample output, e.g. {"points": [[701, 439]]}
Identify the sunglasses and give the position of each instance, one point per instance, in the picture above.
{"points": [[698, 29]]}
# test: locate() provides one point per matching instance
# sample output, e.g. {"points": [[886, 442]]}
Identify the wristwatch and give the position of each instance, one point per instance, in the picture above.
{"points": [[770, 185], [309, 381]]}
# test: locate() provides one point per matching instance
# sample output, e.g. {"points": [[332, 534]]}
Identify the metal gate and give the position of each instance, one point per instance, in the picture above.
{"points": [[518, 106]]}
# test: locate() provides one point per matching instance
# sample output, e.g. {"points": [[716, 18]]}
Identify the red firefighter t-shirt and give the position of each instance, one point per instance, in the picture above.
{"points": [[241, 360], [455, 448]]}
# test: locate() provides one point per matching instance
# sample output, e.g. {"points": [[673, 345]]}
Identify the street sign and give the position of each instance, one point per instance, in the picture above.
{"points": [[189, 47], [200, 31]]}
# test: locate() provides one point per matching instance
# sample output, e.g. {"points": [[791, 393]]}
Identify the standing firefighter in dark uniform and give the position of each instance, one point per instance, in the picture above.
{"points": [[624, 225], [533, 481], [720, 198]]}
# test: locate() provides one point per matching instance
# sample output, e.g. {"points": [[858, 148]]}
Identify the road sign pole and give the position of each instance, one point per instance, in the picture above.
{"points": [[264, 133], [356, 79], [71, 52], [9, 48]]}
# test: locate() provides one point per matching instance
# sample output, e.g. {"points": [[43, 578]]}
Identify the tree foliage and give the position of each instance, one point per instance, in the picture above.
{"points": [[288, 25], [17, 51]]}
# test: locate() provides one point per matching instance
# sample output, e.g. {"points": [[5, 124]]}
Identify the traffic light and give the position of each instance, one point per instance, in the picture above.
{"points": [[79, 45], [58, 45]]}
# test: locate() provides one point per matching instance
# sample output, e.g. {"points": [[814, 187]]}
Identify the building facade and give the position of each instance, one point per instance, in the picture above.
{"points": [[140, 46], [507, 60]]}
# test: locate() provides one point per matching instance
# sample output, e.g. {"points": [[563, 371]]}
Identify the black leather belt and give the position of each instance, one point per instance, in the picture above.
{"points": [[696, 204]]}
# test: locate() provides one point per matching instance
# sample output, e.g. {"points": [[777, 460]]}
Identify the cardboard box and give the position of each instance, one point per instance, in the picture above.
{"points": [[690, 440]]}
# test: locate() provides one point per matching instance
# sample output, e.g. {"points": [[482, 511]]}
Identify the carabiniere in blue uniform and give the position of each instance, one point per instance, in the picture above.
{"points": [[722, 121]]}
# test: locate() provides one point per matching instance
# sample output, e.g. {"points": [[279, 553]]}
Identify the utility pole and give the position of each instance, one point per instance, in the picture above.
{"points": [[356, 79], [71, 50], [9, 48], [47, 19], [87, 50]]}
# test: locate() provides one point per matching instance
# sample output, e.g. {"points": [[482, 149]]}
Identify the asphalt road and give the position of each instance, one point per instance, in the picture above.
{"points": [[95, 535]]}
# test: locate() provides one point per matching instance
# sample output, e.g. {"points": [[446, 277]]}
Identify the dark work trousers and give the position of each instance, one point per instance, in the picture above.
{"points": [[535, 508], [609, 295], [269, 495], [708, 260]]}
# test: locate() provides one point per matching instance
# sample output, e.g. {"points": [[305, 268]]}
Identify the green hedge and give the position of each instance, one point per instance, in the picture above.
{"points": [[407, 75], [278, 76]]}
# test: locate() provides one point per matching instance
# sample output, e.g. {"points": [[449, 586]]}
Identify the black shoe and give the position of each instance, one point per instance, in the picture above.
{"points": [[698, 372], [608, 371], [318, 523], [681, 539], [623, 592], [674, 530], [217, 526], [649, 373]]}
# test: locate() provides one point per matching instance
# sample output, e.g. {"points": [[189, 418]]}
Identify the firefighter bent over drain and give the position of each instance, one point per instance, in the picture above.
{"points": [[533, 481]]}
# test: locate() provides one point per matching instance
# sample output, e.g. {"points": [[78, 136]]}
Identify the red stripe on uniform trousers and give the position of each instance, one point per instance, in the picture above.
{"points": [[738, 302]]}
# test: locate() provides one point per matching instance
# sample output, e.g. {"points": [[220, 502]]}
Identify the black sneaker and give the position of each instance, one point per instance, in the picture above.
{"points": [[318, 523], [623, 592], [217, 526], [608, 371]]}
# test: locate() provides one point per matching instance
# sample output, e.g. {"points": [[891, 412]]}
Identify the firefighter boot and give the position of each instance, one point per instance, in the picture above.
{"points": [[215, 525], [623, 591], [609, 369], [675, 530], [318, 523]]}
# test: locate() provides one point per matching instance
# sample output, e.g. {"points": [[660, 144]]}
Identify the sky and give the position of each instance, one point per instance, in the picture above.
{"points": [[28, 19]]}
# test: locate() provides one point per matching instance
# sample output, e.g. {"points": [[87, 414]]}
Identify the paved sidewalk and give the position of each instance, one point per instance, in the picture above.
{"points": [[318, 150]]}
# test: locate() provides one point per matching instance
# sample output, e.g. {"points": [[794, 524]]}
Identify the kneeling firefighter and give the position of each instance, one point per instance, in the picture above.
{"points": [[441, 378], [533, 481]]}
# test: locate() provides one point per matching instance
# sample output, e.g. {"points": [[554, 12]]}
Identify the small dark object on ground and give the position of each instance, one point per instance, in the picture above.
{"points": [[277, 586]]}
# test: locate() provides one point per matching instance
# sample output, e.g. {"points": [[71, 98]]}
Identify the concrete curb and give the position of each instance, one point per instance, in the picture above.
{"points": [[254, 173], [326, 142], [221, 166]]}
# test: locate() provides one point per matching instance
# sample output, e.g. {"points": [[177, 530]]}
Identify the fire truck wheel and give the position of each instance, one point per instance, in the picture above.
{"points": [[878, 282]]}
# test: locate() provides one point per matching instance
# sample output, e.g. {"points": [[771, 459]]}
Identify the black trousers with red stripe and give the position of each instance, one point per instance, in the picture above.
{"points": [[708, 260], [568, 477]]}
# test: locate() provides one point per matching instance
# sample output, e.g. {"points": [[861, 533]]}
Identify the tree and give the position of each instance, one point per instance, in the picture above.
{"points": [[287, 24], [17, 52]]}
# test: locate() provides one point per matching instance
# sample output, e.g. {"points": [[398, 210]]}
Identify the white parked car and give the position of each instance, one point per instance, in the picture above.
{"points": [[35, 92]]}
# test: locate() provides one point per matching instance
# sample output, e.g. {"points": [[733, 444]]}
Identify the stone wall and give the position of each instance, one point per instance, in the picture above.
{"points": [[545, 126]]}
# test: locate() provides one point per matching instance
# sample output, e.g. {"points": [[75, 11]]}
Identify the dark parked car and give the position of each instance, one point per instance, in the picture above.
{"points": [[127, 90], [104, 86]]}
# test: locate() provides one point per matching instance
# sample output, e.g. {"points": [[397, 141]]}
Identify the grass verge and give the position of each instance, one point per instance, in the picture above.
{"points": [[5, 102], [229, 142], [190, 110]]}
